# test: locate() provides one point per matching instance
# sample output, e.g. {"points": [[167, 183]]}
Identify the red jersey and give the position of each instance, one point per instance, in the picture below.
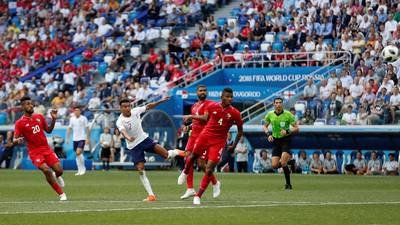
{"points": [[221, 120], [32, 129], [199, 109]]}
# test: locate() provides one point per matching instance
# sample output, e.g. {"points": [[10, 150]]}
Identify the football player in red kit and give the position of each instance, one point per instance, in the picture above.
{"points": [[212, 139], [199, 117], [30, 128]]}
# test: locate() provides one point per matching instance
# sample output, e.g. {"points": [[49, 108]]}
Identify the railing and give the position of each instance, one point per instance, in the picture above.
{"points": [[261, 60], [265, 104]]}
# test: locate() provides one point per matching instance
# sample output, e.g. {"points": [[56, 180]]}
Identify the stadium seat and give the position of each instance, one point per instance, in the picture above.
{"points": [[254, 45], [269, 37], [264, 46], [3, 118], [161, 22], [103, 68], [136, 50], [221, 21], [320, 122], [328, 42], [235, 11], [165, 32], [277, 46], [76, 60]]}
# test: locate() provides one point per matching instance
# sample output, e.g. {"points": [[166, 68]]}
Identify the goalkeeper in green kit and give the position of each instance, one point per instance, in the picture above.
{"points": [[283, 126]]}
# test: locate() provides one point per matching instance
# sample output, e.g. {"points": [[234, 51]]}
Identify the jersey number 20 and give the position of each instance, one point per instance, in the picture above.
{"points": [[36, 129]]}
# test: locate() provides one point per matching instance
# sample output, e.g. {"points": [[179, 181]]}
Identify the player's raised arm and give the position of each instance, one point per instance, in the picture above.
{"points": [[50, 128], [203, 118], [154, 104]]}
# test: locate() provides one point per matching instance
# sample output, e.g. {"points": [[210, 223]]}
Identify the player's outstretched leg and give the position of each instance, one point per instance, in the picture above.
{"points": [[146, 183], [168, 154], [189, 181], [58, 172], [205, 181], [188, 164], [52, 181]]}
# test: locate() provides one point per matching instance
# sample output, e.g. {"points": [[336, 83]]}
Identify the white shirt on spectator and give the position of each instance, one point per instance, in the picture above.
{"points": [[46, 77], [391, 165], [94, 103], [143, 94], [389, 86], [346, 81], [356, 90], [309, 46], [140, 35], [241, 157], [349, 117], [324, 92], [69, 78], [110, 77], [395, 100], [104, 29], [347, 45], [78, 37]]}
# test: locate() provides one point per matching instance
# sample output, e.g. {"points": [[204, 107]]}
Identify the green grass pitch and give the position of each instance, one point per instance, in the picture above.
{"points": [[115, 198]]}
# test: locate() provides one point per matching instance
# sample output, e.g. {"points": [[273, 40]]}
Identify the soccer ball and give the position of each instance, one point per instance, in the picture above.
{"points": [[390, 53]]}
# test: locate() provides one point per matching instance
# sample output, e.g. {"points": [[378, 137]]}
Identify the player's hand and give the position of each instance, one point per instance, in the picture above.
{"points": [[187, 117], [270, 138], [53, 114], [18, 141], [283, 132], [131, 139]]}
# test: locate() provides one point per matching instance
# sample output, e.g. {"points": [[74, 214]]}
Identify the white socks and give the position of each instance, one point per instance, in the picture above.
{"points": [[80, 162], [145, 182]]}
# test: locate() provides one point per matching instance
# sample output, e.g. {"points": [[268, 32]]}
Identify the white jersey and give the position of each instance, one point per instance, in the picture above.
{"points": [[133, 126], [78, 126]]}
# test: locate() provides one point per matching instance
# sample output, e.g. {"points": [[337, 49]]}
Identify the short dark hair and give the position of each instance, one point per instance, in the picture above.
{"points": [[227, 90], [278, 98], [201, 86], [124, 100], [77, 107], [25, 98]]}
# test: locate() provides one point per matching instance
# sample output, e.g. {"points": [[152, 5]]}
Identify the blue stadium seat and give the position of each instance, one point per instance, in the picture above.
{"points": [[221, 21], [367, 156], [328, 42], [76, 60], [235, 11], [161, 23], [254, 45], [103, 68], [335, 42], [277, 46], [3, 118]]}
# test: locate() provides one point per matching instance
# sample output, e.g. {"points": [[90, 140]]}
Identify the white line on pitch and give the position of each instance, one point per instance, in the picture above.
{"points": [[199, 207]]}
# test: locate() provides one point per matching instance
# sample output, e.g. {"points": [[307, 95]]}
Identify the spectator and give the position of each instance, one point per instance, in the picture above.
{"points": [[241, 152], [310, 90], [117, 143], [303, 163], [8, 149], [362, 116], [58, 147], [349, 117], [394, 103], [329, 164], [265, 162], [106, 143], [391, 167], [227, 158], [94, 102], [316, 164], [143, 93], [359, 166], [374, 165]]}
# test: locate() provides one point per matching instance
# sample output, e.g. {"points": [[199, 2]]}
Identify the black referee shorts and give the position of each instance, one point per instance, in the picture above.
{"points": [[281, 145]]}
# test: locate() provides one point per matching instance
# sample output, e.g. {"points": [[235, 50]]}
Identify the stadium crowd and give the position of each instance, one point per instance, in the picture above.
{"points": [[115, 37]]}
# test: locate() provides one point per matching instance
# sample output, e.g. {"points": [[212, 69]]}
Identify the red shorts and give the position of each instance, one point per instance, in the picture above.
{"points": [[190, 146], [45, 156], [209, 148]]}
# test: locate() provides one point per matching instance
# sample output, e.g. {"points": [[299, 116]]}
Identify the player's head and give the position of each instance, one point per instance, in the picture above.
{"points": [[227, 96], [201, 92], [125, 106], [278, 103], [27, 105], [77, 111]]}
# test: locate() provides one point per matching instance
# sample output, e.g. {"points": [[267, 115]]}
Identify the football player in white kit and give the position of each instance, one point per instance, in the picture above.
{"points": [[137, 141], [81, 134]]}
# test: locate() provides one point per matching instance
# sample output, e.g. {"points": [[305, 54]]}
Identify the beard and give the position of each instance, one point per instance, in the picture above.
{"points": [[202, 97]]}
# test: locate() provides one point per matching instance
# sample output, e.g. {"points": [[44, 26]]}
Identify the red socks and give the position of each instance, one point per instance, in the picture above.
{"points": [[57, 188], [204, 184]]}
